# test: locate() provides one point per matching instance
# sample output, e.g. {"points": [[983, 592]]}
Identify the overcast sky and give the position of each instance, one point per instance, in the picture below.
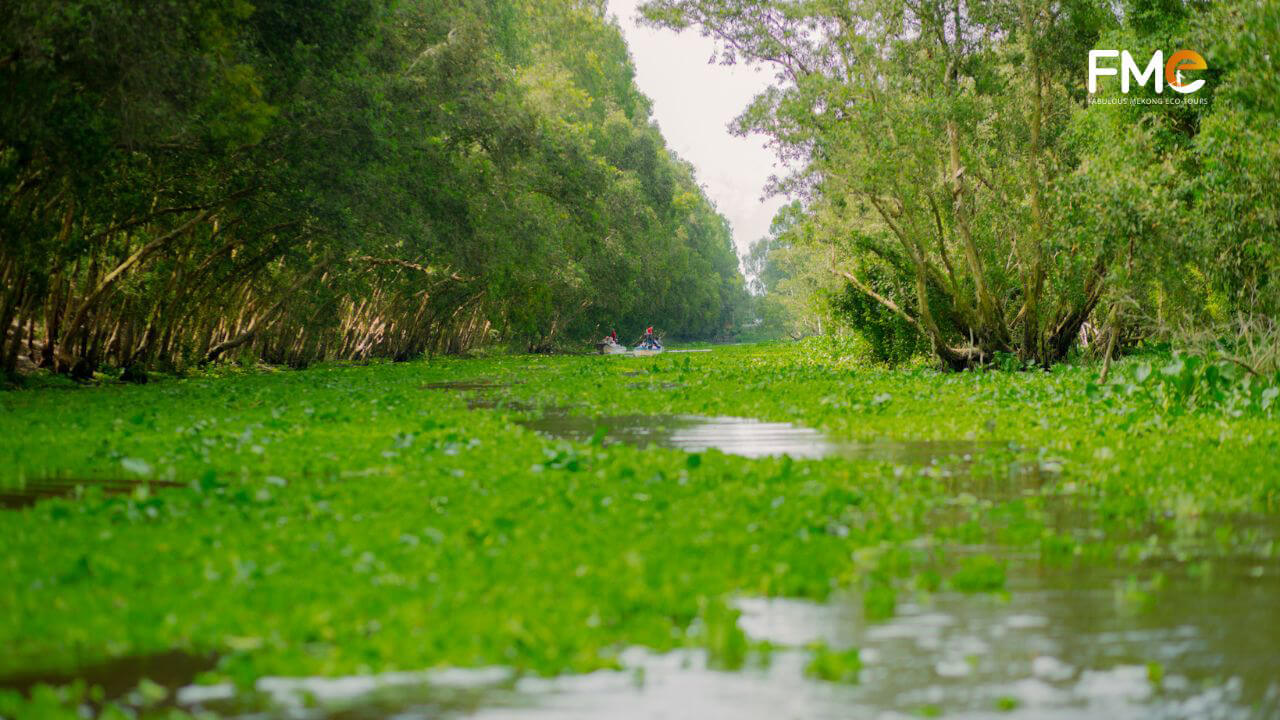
{"points": [[693, 103]]}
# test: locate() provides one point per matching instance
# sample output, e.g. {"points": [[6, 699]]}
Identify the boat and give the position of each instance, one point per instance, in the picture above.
{"points": [[648, 347], [609, 346]]}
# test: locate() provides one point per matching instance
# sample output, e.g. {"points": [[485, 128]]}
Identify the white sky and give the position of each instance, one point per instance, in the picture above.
{"points": [[693, 103]]}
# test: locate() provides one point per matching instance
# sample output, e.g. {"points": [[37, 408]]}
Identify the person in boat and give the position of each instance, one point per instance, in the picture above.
{"points": [[614, 336], [650, 340]]}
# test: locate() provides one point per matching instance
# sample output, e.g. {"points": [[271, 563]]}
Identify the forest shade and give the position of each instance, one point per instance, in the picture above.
{"points": [[293, 181], [960, 193]]}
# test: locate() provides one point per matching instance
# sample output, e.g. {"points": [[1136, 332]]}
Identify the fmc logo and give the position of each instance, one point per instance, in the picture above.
{"points": [[1182, 60]]}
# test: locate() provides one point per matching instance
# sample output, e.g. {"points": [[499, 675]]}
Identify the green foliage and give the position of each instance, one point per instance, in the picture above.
{"points": [[725, 642], [1182, 188], [1155, 674], [1188, 383], [834, 665], [879, 600], [790, 279], [290, 181], [979, 573], [1237, 154], [890, 338], [345, 519], [979, 203], [903, 125]]}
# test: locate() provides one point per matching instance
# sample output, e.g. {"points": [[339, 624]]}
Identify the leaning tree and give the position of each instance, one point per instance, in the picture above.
{"points": [[928, 137]]}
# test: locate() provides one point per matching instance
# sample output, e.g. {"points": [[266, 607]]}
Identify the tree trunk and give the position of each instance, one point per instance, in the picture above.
{"points": [[76, 327], [1032, 268]]}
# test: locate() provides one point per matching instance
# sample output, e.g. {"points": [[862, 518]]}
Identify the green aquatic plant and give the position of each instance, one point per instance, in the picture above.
{"points": [[349, 519], [725, 642], [833, 665], [980, 573], [1188, 383]]}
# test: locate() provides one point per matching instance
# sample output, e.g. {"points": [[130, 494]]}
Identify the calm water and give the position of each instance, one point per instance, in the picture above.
{"points": [[1065, 642], [745, 437]]}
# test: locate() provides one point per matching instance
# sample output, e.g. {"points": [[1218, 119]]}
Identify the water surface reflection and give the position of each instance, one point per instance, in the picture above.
{"points": [[746, 437], [1069, 642]]}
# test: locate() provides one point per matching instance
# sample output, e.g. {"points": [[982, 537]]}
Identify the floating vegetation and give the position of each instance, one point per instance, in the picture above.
{"points": [[340, 522]]}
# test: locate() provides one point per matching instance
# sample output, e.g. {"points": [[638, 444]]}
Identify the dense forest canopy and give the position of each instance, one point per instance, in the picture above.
{"points": [[292, 180], [970, 199]]}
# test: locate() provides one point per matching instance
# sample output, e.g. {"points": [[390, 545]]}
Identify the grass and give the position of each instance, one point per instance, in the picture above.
{"points": [[344, 519]]}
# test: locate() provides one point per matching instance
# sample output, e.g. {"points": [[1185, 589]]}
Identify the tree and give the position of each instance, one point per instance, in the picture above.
{"points": [[903, 114], [290, 181]]}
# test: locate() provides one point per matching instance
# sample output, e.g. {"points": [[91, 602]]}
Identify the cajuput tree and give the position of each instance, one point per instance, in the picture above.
{"points": [[927, 134], [288, 181]]}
